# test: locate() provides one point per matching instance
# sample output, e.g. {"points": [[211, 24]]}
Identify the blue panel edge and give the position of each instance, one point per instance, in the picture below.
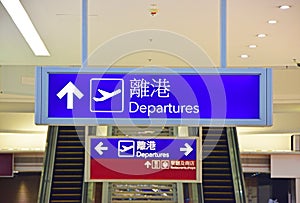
{"points": [[41, 104], [151, 70], [38, 95], [269, 97]]}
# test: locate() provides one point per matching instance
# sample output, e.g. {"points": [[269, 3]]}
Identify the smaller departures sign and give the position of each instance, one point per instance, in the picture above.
{"points": [[143, 159]]}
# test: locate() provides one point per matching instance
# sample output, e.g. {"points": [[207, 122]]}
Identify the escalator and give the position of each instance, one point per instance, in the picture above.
{"points": [[63, 175], [222, 173], [64, 166]]}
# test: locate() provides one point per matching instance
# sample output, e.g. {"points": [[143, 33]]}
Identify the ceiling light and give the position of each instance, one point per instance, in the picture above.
{"points": [[272, 21], [25, 26], [284, 7], [262, 35], [244, 56], [252, 46]]}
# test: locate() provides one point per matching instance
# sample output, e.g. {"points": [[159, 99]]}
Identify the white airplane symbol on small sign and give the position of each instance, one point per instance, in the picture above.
{"points": [[106, 95], [125, 148]]}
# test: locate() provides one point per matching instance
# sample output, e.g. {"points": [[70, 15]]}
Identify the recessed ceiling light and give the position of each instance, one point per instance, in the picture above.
{"points": [[252, 46], [272, 21], [244, 56], [262, 35], [284, 7]]}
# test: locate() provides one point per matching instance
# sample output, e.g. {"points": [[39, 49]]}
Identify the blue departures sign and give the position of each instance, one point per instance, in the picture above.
{"points": [[204, 96]]}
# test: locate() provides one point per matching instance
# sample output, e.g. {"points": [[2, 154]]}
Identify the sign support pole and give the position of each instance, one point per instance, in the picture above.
{"points": [[182, 132], [84, 51], [223, 31], [84, 37]]}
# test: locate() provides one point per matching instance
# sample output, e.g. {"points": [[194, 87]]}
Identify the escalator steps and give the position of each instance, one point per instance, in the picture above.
{"points": [[217, 177], [69, 166]]}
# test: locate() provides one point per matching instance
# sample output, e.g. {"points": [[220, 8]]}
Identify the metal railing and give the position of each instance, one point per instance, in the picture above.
{"points": [[47, 173], [236, 166]]}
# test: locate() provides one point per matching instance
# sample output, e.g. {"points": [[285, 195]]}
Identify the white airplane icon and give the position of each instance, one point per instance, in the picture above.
{"points": [[106, 95], [125, 148]]}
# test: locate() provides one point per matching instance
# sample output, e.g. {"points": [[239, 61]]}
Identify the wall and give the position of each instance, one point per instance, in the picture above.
{"points": [[23, 188], [265, 142]]}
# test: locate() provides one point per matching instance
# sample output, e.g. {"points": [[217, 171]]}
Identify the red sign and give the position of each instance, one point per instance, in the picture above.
{"points": [[144, 159], [158, 170]]}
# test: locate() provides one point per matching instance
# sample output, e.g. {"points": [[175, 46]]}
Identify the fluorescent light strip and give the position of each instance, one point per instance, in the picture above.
{"points": [[25, 26]]}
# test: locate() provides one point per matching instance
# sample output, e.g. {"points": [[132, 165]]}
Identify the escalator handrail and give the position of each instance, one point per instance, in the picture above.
{"points": [[49, 157], [86, 187], [200, 192], [236, 166]]}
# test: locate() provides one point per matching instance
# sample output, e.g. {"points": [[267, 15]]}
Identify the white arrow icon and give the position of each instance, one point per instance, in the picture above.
{"points": [[71, 90], [187, 149], [147, 164], [100, 148]]}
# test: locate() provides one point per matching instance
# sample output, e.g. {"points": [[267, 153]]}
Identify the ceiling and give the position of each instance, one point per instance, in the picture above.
{"points": [[59, 25], [181, 34]]}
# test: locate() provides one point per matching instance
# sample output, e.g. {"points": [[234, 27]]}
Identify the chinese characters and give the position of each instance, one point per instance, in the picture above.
{"points": [[143, 88]]}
